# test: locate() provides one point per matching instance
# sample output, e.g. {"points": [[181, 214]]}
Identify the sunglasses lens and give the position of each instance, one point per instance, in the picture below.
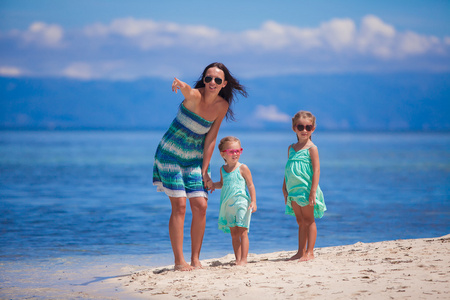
{"points": [[302, 127], [233, 151], [216, 80]]}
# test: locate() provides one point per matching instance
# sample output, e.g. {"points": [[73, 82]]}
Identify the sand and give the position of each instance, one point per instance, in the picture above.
{"points": [[400, 269]]}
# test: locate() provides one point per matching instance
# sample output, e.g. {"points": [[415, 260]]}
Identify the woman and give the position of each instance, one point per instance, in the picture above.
{"points": [[182, 158]]}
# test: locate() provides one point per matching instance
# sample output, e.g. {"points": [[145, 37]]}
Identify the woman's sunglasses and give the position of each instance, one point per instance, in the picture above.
{"points": [[233, 151], [217, 80], [302, 127]]}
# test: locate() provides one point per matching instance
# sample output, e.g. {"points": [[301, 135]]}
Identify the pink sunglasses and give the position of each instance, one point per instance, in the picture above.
{"points": [[233, 151]]}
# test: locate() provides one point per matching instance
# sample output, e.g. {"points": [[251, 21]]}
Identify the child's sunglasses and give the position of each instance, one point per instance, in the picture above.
{"points": [[217, 80], [233, 151], [302, 127]]}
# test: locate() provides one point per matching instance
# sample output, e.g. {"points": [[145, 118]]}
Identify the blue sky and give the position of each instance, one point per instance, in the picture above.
{"points": [[126, 40]]}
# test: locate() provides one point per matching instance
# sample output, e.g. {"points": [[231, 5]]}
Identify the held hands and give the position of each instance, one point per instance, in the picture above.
{"points": [[209, 184]]}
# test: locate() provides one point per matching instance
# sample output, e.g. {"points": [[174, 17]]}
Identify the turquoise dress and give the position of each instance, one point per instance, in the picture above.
{"points": [[298, 175], [177, 170], [234, 201]]}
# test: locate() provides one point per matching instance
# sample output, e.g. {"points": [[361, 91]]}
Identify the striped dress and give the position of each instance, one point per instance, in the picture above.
{"points": [[177, 170]]}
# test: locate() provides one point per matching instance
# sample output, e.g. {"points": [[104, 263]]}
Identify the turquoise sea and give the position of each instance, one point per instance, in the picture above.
{"points": [[74, 195]]}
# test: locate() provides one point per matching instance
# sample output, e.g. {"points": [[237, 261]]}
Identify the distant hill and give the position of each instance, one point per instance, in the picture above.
{"points": [[340, 102]]}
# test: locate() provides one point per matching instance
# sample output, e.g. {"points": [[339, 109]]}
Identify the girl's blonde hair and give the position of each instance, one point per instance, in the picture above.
{"points": [[226, 140], [304, 115]]}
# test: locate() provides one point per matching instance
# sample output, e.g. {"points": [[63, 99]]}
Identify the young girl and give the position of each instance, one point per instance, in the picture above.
{"points": [[236, 204], [302, 194]]}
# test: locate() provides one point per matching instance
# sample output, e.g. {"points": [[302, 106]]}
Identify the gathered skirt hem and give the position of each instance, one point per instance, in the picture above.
{"points": [[178, 193]]}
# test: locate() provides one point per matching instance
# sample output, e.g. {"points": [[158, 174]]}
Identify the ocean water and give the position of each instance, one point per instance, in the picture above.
{"points": [[72, 194]]}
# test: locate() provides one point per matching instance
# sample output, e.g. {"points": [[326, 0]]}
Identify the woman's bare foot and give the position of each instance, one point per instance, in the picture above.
{"points": [[183, 267], [196, 265]]}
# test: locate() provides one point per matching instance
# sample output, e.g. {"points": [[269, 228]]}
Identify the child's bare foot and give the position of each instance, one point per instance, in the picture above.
{"points": [[242, 262], [183, 267], [298, 255], [307, 256]]}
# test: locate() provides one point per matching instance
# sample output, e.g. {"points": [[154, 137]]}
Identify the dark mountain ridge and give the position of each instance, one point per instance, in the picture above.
{"points": [[352, 102]]}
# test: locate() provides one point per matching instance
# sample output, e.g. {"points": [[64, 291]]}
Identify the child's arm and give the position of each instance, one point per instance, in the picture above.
{"points": [[314, 153], [285, 192], [245, 172], [218, 184]]}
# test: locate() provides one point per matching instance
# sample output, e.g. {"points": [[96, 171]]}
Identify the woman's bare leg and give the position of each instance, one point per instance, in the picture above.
{"points": [[198, 207], [176, 229]]}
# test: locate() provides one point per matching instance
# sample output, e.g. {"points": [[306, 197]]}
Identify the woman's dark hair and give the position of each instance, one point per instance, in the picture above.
{"points": [[229, 91]]}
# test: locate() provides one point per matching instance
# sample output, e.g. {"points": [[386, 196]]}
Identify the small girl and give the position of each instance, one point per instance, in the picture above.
{"points": [[302, 194], [236, 204]]}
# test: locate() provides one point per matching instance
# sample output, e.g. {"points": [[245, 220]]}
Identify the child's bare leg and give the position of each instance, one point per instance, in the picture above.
{"points": [[303, 236], [298, 215], [310, 232], [236, 241], [244, 245], [301, 246]]}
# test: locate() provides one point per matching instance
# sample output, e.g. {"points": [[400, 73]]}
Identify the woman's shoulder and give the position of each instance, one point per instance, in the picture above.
{"points": [[221, 102], [197, 94]]}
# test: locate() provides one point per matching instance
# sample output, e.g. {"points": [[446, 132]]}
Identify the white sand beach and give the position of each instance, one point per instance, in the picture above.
{"points": [[400, 269]]}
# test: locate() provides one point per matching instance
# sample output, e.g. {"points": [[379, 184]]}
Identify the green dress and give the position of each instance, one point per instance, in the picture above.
{"points": [[298, 175], [177, 170], [234, 201]]}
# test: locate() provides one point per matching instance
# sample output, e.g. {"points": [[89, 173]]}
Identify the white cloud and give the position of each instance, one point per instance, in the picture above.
{"points": [[132, 48], [339, 33], [10, 71], [44, 34], [270, 113], [376, 37], [411, 43], [271, 36], [148, 34], [79, 70]]}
